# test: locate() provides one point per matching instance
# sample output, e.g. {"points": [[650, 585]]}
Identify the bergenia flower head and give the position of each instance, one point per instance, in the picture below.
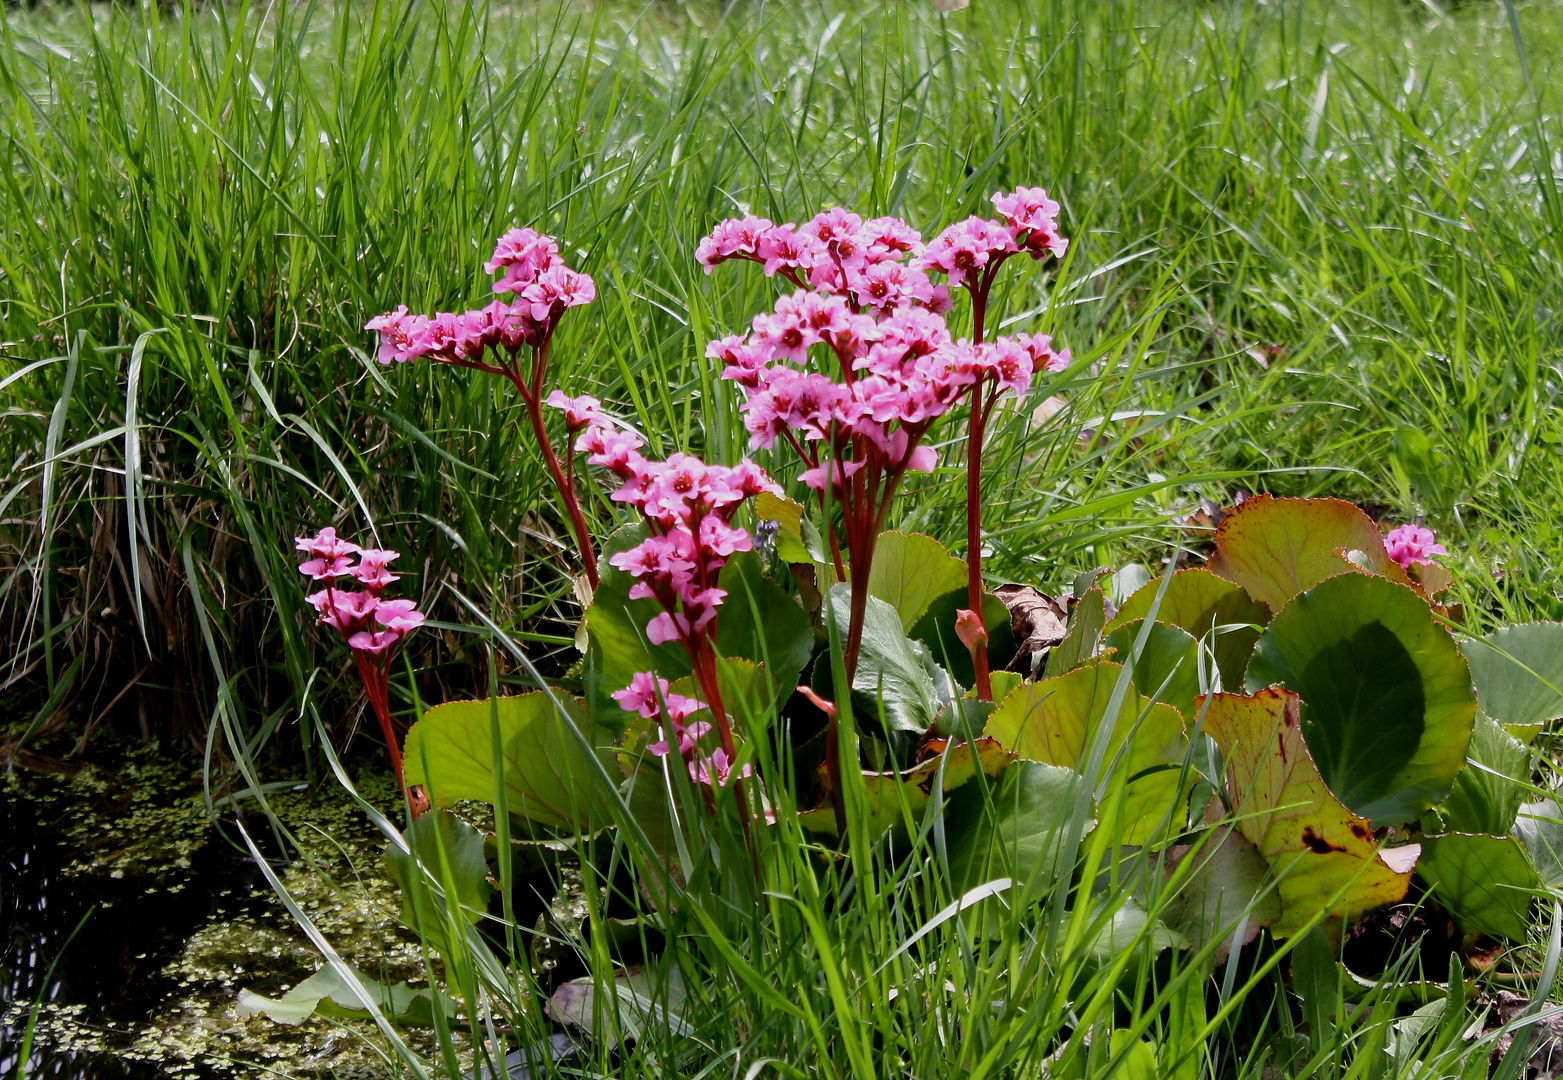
{"points": [[716, 770], [964, 249], [523, 254], [1410, 544], [401, 335], [736, 238], [368, 622]]}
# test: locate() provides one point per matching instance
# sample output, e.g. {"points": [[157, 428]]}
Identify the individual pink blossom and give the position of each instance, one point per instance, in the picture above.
{"points": [[1410, 544], [716, 770], [1043, 356], [648, 695], [373, 642], [556, 289], [890, 238], [686, 735], [328, 550], [611, 447], [837, 231], [744, 362], [882, 287], [400, 334], [398, 616], [578, 411], [371, 569]]}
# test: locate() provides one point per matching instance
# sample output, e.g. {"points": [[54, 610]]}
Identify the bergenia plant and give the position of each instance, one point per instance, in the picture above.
{"points": [[372, 625], [492, 339], [881, 319], [688, 508]]}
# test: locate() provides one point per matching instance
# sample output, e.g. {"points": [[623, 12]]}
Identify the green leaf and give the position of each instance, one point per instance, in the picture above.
{"points": [[1054, 721], [1316, 848], [936, 631], [910, 571], [1539, 826], [1129, 927], [616, 625], [788, 515], [326, 993], [548, 778], [1518, 672], [889, 669], [446, 853], [1017, 832], [1087, 617], [1197, 601], [1276, 548], [1168, 667], [1387, 702], [1482, 880], [760, 622], [1226, 879], [1480, 802], [897, 799]]}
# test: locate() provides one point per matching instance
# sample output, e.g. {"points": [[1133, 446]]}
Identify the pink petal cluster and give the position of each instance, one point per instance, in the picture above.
{"points": [[368, 622], [540, 286], [649, 696], [1410, 544]]}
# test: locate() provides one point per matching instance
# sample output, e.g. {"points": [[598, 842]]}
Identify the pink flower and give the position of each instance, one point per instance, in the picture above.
{"points": [[371, 569], [837, 231], [1034, 217], [332, 555], [1043, 355], [744, 361], [344, 609], [373, 642], [884, 286], [400, 333], [890, 238], [555, 289], [716, 770], [905, 337], [735, 238], [647, 694], [401, 617], [523, 254], [781, 247], [609, 447], [841, 471], [1410, 544], [922, 459], [578, 411], [964, 249], [687, 736]]}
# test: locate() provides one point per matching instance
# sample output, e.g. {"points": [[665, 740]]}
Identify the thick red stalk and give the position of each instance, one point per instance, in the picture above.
{"points": [[975, 432], [376, 682]]}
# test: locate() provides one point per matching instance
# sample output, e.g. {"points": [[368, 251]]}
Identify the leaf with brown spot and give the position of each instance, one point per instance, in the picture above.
{"points": [[1316, 848]]}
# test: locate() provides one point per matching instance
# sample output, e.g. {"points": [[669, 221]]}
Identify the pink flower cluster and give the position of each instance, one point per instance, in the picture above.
{"points": [[541, 288], [1410, 544], [649, 696], [367, 621], [689, 507]]}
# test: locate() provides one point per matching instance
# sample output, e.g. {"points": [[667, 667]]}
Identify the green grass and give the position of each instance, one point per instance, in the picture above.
{"points": [[1316, 251]]}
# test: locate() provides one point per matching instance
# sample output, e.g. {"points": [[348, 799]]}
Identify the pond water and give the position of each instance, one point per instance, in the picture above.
{"points": [[153, 917]]}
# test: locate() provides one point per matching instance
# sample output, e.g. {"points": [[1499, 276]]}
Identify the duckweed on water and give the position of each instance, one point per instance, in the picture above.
{"points": [[140, 834]]}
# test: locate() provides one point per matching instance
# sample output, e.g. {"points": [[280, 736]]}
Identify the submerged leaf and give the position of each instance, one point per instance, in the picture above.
{"points": [[1054, 721], [1316, 848], [327, 993], [1484, 881], [1387, 702]]}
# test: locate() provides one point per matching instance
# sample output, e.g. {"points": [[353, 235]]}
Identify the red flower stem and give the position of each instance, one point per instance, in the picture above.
{"points": [[974, 438], [376, 688], [704, 657], [533, 398]]}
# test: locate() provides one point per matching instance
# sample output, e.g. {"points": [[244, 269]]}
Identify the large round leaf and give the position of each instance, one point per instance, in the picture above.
{"points": [[1016, 828], [1276, 548], [1324, 857], [1387, 703], [547, 773], [911, 571], [1486, 882], [1518, 673], [1055, 721], [899, 798], [1197, 601], [1168, 666]]}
